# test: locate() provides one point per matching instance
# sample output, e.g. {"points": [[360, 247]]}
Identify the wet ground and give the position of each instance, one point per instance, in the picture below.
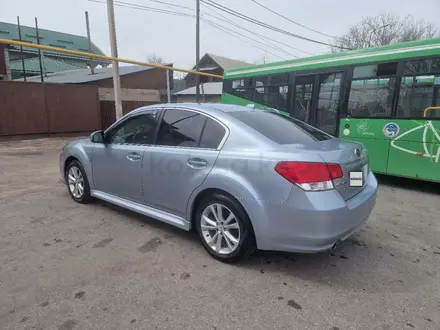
{"points": [[70, 266]]}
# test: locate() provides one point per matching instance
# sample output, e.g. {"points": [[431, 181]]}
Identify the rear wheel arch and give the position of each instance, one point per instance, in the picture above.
{"points": [[225, 248], [202, 195]]}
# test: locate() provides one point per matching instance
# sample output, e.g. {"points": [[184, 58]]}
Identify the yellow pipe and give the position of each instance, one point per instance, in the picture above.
{"points": [[103, 57], [425, 112]]}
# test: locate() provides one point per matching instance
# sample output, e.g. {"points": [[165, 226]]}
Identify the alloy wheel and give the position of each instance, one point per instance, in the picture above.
{"points": [[75, 180], [220, 228]]}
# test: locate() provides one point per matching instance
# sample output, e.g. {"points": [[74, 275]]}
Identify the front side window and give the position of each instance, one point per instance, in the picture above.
{"points": [[180, 128], [134, 130], [371, 97]]}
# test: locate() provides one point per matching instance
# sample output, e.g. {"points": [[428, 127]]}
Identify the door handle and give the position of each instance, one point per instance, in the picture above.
{"points": [[196, 162], [133, 156]]}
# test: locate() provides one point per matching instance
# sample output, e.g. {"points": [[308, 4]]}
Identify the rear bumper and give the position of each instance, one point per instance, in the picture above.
{"points": [[314, 222]]}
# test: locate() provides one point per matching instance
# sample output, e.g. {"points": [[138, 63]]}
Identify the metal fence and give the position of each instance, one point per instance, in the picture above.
{"points": [[44, 108]]}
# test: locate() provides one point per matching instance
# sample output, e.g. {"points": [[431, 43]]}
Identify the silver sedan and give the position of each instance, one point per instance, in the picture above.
{"points": [[242, 178]]}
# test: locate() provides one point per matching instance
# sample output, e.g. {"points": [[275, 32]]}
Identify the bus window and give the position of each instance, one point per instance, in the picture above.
{"points": [[242, 83], [269, 91], [276, 97], [424, 66], [416, 94], [280, 79], [371, 97], [375, 70], [243, 88], [420, 88], [272, 96]]}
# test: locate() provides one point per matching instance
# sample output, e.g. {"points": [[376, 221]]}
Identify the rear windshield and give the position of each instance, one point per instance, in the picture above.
{"points": [[280, 128]]}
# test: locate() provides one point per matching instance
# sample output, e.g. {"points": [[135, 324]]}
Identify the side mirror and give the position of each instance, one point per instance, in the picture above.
{"points": [[97, 137]]}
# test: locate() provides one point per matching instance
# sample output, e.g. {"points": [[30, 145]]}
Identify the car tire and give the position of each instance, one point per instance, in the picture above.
{"points": [[235, 233], [77, 183]]}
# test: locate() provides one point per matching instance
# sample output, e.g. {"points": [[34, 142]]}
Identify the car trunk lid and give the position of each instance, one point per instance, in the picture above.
{"points": [[351, 156]]}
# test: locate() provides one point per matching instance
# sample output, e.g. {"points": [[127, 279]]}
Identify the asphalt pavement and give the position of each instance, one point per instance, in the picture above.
{"points": [[69, 266]]}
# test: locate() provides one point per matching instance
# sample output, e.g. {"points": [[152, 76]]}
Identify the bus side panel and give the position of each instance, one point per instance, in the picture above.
{"points": [[378, 150], [415, 151], [409, 148], [232, 99], [369, 133]]}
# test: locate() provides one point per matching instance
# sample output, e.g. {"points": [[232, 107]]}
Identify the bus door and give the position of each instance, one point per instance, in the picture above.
{"points": [[302, 98], [316, 100], [326, 116]]}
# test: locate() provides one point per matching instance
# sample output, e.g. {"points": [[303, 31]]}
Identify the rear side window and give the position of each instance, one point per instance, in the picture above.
{"points": [[180, 128], [281, 129], [212, 135]]}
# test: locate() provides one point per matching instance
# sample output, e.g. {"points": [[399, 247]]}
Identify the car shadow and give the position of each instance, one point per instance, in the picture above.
{"points": [[168, 231], [409, 184], [360, 263]]}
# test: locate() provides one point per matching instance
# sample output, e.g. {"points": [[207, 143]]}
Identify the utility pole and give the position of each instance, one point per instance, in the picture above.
{"points": [[197, 49], [168, 86], [39, 50], [115, 64], [92, 70], [21, 48]]}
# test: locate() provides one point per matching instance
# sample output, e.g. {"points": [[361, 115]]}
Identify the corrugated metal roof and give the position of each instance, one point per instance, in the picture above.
{"points": [[83, 75], [50, 65], [228, 63], [47, 37], [210, 88]]}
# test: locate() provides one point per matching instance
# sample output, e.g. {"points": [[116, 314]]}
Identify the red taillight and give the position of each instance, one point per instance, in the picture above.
{"points": [[335, 171], [310, 176]]}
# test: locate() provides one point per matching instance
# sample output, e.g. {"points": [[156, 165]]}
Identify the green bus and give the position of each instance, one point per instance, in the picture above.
{"points": [[387, 98]]}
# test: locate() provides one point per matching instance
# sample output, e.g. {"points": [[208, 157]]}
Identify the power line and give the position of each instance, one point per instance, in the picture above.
{"points": [[292, 21], [255, 40], [257, 22], [270, 40], [224, 29], [171, 4], [178, 13], [141, 7]]}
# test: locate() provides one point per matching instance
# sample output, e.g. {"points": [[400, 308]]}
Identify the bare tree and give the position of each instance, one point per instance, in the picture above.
{"points": [[384, 29], [155, 59]]}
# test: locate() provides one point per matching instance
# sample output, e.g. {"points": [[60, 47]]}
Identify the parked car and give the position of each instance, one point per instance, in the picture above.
{"points": [[242, 178]]}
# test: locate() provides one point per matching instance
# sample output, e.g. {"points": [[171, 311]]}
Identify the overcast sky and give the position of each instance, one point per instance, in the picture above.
{"points": [[141, 32]]}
